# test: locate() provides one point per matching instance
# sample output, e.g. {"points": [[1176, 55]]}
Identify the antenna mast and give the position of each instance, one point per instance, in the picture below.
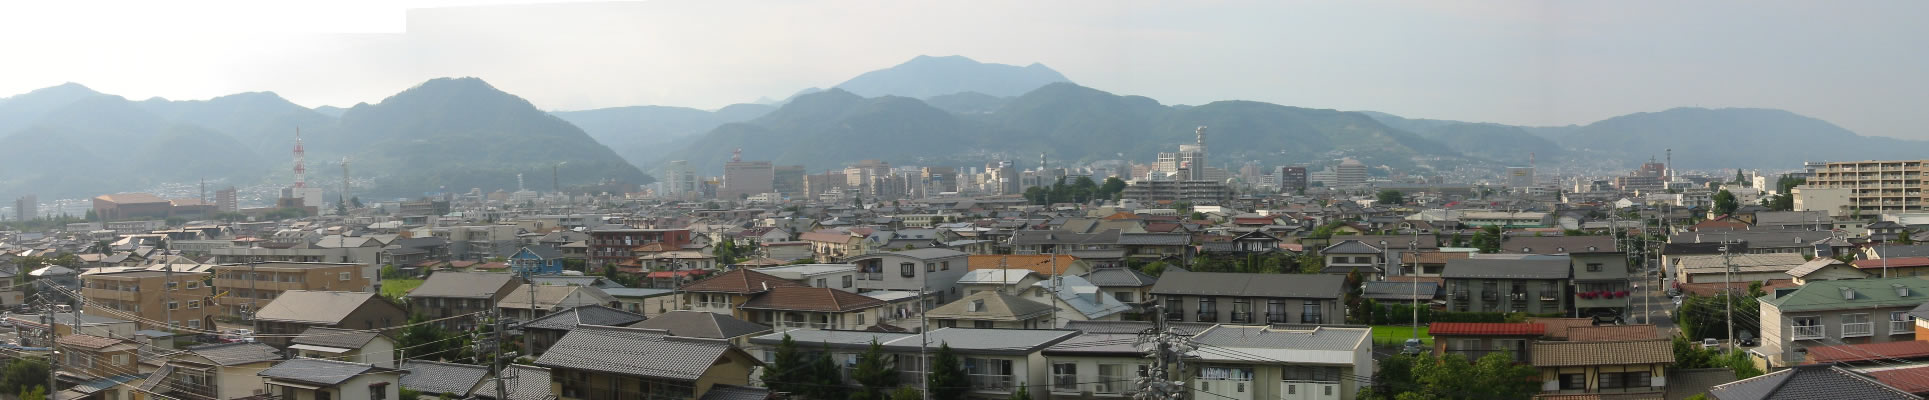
{"points": [[301, 172]]}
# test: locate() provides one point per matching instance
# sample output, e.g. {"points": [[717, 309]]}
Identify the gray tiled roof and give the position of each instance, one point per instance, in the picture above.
{"points": [[730, 392], [1815, 381], [1920, 250], [1096, 344], [702, 324], [337, 338], [317, 371], [1350, 246], [1321, 338], [1317, 286], [230, 354], [988, 341], [1558, 244], [439, 377], [593, 314], [810, 338], [1524, 267], [1133, 327], [1119, 277], [527, 382], [634, 352], [1383, 290], [1154, 239]]}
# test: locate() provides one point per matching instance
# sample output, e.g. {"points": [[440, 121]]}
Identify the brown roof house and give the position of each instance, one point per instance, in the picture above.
{"points": [[993, 309], [654, 364], [298, 310], [451, 293], [529, 302], [1600, 368], [812, 308], [723, 293]]}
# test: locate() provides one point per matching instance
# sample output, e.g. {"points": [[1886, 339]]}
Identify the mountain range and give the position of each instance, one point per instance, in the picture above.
{"points": [[452, 134]]}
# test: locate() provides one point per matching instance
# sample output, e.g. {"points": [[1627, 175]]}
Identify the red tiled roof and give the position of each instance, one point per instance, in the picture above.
{"points": [[1893, 262], [673, 274], [1912, 380], [741, 281], [1868, 352], [1486, 329], [811, 299], [1612, 333]]}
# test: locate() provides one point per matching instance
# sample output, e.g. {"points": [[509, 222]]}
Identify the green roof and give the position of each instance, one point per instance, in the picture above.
{"points": [[1865, 293]]}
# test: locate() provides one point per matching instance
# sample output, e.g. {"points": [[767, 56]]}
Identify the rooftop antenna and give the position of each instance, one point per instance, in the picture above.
{"points": [[301, 172]]}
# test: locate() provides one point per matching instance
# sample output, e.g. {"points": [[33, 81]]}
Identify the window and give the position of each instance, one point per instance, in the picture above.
{"points": [[172, 305], [120, 359], [1208, 309], [1856, 325], [1242, 310], [1310, 313], [194, 324], [377, 392], [930, 267], [981, 324], [1900, 323], [1123, 297], [908, 270], [944, 265], [1175, 306], [322, 395], [344, 276], [1593, 267], [847, 281], [1226, 373], [860, 319], [1275, 311], [1065, 377], [194, 284], [821, 282], [194, 304], [1573, 381]]}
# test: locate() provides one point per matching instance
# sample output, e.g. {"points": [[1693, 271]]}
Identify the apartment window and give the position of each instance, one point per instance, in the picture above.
{"points": [[1856, 325], [194, 324], [1242, 310], [1208, 309], [194, 304], [847, 281], [377, 392], [908, 270], [981, 324], [1065, 377], [120, 359], [822, 283], [1900, 323], [1628, 380], [172, 305], [944, 265], [1573, 381], [194, 284], [344, 276], [1594, 267], [930, 267], [172, 285], [1310, 313], [860, 319]]}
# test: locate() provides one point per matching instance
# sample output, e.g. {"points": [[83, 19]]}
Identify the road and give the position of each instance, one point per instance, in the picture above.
{"points": [[1653, 295]]}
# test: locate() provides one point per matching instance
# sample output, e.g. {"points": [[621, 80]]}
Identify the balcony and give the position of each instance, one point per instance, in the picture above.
{"points": [[991, 383], [713, 304], [1208, 316], [1065, 383], [1312, 319], [872, 276], [1242, 317], [1277, 318], [1809, 332], [1902, 327], [1857, 329], [1111, 384]]}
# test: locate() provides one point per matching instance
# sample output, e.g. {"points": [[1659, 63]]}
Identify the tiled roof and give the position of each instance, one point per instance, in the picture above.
{"points": [[986, 341], [810, 299], [1269, 337], [88, 341], [337, 338], [1120, 277], [1891, 262], [1822, 381], [634, 352], [1562, 354], [317, 371], [1350, 246], [1557, 328], [527, 373], [230, 354], [1868, 352], [1522, 267], [1317, 286], [1486, 329], [1710, 289], [1612, 333], [1558, 244], [593, 314], [701, 324], [739, 281], [440, 377], [1867, 293], [1432, 257], [997, 305], [1043, 264], [1911, 379], [323, 307], [732, 392]]}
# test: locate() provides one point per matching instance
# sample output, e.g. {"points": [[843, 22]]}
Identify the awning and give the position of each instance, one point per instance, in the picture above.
{"points": [[324, 349]]}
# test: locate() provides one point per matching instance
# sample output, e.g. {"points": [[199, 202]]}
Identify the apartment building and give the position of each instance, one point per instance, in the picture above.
{"points": [[618, 246], [244, 288], [1242, 298], [150, 297], [1283, 362], [1874, 187], [1824, 313], [452, 293], [1508, 283]]}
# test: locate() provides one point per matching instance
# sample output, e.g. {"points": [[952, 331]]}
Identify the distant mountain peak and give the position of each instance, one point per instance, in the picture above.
{"points": [[926, 76]]}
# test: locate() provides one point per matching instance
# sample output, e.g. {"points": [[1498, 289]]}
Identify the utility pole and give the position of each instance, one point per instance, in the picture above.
{"points": [[1162, 381], [1728, 284], [53, 342]]}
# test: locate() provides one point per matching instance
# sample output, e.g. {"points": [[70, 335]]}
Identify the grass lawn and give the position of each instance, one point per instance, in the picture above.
{"points": [[1398, 334], [396, 288]]}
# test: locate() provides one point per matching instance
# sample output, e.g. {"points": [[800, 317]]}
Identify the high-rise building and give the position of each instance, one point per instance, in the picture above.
{"points": [[1351, 173], [26, 208], [226, 201], [745, 178], [939, 180], [1292, 178], [789, 181], [1875, 186], [681, 181], [1520, 177]]}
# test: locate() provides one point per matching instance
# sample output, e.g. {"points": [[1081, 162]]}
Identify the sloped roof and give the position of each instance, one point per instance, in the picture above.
{"points": [[1083, 297], [337, 338], [1563, 354], [318, 371], [1005, 276], [323, 307], [1350, 246], [1317, 338], [1156, 239], [810, 299], [739, 281], [1178, 282], [1906, 349], [1612, 333], [547, 296], [998, 306], [1821, 381], [1910, 379], [527, 373], [1043, 264], [1558, 244], [702, 325], [593, 314], [1120, 277], [440, 377], [1867, 293], [1526, 267], [230, 354], [467, 285], [1557, 328], [733, 392], [1486, 329], [635, 352]]}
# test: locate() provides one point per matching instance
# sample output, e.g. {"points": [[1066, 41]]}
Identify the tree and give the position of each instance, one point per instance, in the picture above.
{"points": [[1112, 188], [874, 376], [1495, 376], [1487, 239], [1725, 203], [1904, 237], [355, 201], [1706, 316], [1021, 394], [23, 374], [1154, 269], [907, 393], [37, 393], [1391, 197], [947, 376], [786, 368], [825, 380]]}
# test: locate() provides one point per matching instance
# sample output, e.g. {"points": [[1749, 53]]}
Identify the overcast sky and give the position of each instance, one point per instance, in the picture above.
{"points": [[1857, 64]]}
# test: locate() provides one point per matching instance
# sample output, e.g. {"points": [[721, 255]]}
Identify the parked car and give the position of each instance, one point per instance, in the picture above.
{"points": [[1412, 347], [1711, 343], [1747, 339]]}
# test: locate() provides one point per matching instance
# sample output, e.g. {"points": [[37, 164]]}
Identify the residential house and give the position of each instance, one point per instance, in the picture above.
{"points": [[646, 301], [1046, 265], [296, 311], [1125, 284], [540, 333], [1243, 298], [835, 276], [320, 379], [529, 302], [1851, 311], [934, 271], [723, 293], [1079, 300], [1430, 263], [832, 245], [212, 372], [1889, 267], [458, 380], [658, 365], [996, 361], [250, 287], [993, 310], [1349, 256], [98, 366], [178, 297], [1477, 339], [1282, 362], [1604, 367], [1745, 267], [1102, 360], [1148, 247], [356, 346], [453, 293], [1820, 381], [1410, 292], [1256, 242], [1825, 269], [1532, 284], [618, 246], [704, 325], [1011, 280], [811, 308], [536, 260]]}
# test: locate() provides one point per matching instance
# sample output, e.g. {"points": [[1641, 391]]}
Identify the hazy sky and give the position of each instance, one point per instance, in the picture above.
{"points": [[1858, 64]]}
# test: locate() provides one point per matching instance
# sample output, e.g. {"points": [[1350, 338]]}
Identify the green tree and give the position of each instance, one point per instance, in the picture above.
{"points": [[1725, 203], [1706, 316], [38, 392], [1021, 394], [826, 379], [1487, 239], [786, 369], [1154, 269], [947, 378], [1391, 197], [907, 393], [873, 374], [1112, 188], [1309, 263], [1495, 376], [1904, 237], [22, 374]]}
